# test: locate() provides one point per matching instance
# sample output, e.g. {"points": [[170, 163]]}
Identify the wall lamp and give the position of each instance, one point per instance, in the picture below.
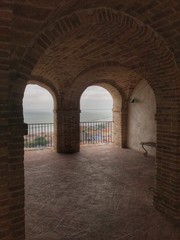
{"points": [[133, 100]]}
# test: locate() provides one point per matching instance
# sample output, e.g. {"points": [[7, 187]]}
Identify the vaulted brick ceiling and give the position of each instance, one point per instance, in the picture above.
{"points": [[90, 44], [63, 62]]}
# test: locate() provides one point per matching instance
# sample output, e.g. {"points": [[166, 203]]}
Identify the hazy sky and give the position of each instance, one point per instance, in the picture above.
{"points": [[96, 98], [39, 99]]}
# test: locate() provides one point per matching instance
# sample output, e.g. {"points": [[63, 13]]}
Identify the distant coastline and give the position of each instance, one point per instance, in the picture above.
{"points": [[85, 116]]}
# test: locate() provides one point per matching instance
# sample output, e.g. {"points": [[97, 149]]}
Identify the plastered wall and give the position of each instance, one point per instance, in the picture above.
{"points": [[141, 118]]}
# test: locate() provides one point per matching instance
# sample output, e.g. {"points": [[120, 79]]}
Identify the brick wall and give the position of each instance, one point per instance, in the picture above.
{"points": [[67, 43], [17, 129], [5, 221], [145, 55], [68, 132]]}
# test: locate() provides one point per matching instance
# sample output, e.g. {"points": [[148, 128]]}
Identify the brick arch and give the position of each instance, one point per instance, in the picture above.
{"points": [[118, 137], [115, 93], [139, 36], [111, 65], [155, 63], [57, 99], [110, 73], [73, 95], [97, 75], [44, 83], [108, 84], [99, 65]]}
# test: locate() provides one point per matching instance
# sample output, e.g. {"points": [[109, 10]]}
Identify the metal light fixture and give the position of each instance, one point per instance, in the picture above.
{"points": [[133, 100]]}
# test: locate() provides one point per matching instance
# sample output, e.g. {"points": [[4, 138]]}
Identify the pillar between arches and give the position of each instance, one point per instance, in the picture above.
{"points": [[167, 195], [17, 129], [120, 118], [117, 137], [67, 136], [124, 124]]}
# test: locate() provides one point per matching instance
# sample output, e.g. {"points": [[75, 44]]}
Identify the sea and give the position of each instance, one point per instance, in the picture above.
{"points": [[85, 116]]}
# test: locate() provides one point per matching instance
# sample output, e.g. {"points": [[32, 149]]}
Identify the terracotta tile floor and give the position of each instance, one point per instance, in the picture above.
{"points": [[101, 193]]}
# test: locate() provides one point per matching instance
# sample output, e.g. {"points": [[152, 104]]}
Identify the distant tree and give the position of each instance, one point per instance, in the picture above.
{"points": [[37, 142]]}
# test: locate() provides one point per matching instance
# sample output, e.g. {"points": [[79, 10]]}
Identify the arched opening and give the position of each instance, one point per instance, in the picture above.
{"points": [[100, 115], [141, 118], [96, 105], [38, 107], [143, 35]]}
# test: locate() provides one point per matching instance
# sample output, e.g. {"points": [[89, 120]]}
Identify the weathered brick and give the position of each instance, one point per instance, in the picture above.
{"points": [[71, 46]]}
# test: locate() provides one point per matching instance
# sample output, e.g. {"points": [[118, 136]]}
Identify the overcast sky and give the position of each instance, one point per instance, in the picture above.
{"points": [[39, 99]]}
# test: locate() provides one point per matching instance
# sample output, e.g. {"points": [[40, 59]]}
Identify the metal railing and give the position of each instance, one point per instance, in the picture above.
{"points": [[96, 132], [40, 135]]}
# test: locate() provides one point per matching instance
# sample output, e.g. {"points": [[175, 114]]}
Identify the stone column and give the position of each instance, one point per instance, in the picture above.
{"points": [[67, 136]]}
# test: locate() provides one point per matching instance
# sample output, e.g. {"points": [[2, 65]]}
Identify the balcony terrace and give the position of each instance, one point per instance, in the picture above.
{"points": [[100, 193]]}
